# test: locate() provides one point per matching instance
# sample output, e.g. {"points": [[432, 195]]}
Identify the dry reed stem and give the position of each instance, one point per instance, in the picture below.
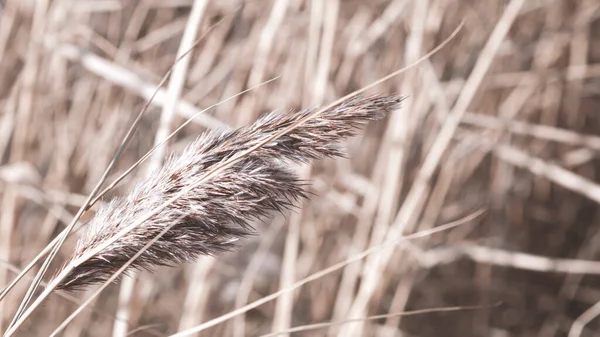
{"points": [[504, 258], [586, 317], [333, 324], [24, 109], [399, 149], [261, 58], [552, 172], [199, 285], [284, 304], [247, 281], [539, 131], [128, 79]]}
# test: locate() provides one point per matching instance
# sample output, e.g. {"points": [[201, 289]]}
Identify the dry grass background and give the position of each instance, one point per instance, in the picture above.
{"points": [[504, 118]]}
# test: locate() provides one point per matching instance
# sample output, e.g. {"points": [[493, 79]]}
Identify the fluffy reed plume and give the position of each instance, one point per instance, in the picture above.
{"points": [[217, 213]]}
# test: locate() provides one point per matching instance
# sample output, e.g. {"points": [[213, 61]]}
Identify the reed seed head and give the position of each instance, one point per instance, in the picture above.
{"points": [[215, 214]]}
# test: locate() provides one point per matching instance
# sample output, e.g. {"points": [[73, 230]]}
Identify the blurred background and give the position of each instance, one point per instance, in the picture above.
{"points": [[505, 119]]}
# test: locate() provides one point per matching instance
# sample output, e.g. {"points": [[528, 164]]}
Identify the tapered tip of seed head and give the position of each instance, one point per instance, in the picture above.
{"points": [[375, 106]]}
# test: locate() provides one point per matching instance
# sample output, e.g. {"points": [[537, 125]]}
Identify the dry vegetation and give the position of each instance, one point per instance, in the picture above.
{"points": [[504, 118]]}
